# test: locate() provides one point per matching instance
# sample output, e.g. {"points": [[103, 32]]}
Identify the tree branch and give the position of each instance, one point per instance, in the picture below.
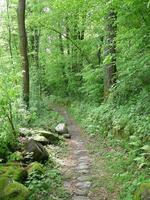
{"points": [[10, 118], [67, 37]]}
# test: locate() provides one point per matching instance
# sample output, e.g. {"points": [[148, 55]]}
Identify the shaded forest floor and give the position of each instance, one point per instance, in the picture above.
{"points": [[85, 166]]}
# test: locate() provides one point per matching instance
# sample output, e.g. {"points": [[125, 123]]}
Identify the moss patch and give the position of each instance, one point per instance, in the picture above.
{"points": [[4, 181], [14, 171], [16, 191], [11, 190]]}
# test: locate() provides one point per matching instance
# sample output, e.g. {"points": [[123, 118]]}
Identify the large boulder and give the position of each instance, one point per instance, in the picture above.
{"points": [[39, 153], [39, 138], [13, 171], [42, 136], [61, 129], [26, 131], [11, 190], [143, 192], [53, 138]]}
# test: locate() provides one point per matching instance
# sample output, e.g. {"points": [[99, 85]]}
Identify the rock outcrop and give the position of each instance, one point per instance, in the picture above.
{"points": [[39, 153], [42, 136], [53, 138], [39, 138]]}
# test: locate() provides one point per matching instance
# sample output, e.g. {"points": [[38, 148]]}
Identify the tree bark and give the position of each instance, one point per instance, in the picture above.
{"points": [[99, 53], [61, 44], [9, 29], [61, 47], [110, 69], [23, 49]]}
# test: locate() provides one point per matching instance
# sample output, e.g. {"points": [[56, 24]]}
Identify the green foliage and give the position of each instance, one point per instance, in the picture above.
{"points": [[46, 117], [142, 191], [124, 127], [67, 58], [9, 103], [92, 83], [13, 171], [36, 167], [47, 186], [16, 156]]}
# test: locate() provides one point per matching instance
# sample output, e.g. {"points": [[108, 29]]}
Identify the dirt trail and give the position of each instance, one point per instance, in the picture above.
{"points": [[77, 165], [81, 167]]}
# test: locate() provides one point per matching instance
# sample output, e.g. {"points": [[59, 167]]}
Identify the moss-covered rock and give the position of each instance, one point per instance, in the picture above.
{"points": [[143, 192], [16, 191], [41, 139], [14, 171], [52, 137], [36, 167], [11, 190], [3, 183], [47, 136]]}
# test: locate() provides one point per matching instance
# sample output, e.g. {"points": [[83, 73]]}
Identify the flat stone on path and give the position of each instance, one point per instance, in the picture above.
{"points": [[83, 171], [85, 158], [80, 198], [82, 166], [82, 178], [79, 192], [80, 152], [83, 185]]}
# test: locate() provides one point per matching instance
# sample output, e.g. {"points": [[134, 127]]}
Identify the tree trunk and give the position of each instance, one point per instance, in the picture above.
{"points": [[23, 49], [67, 36], [61, 44], [99, 53], [110, 69], [9, 29], [61, 47], [36, 59]]}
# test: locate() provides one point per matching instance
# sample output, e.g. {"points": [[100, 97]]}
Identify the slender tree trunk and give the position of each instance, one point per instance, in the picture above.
{"points": [[61, 46], [9, 29], [36, 59], [110, 69], [99, 53], [74, 50], [36, 46], [23, 49], [34, 42], [67, 36]]}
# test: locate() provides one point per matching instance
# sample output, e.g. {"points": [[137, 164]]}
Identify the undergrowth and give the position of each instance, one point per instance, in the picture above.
{"points": [[48, 186], [120, 126]]}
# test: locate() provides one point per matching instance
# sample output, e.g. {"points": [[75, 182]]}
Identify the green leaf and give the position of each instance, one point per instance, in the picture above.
{"points": [[146, 148]]}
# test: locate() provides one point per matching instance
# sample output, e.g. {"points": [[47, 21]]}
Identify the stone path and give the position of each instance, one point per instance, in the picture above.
{"points": [[77, 165]]}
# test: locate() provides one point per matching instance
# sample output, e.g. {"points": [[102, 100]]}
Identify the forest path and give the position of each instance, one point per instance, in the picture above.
{"points": [[76, 166], [85, 171]]}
